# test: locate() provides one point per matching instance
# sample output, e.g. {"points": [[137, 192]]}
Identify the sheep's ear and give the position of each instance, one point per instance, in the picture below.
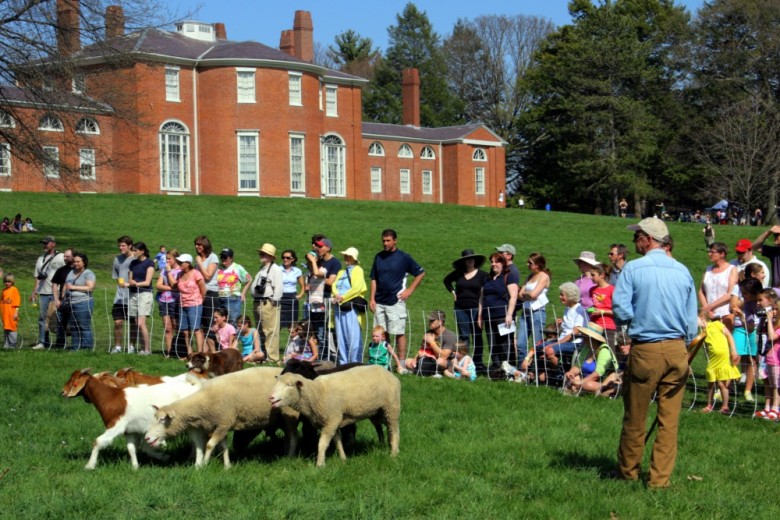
{"points": [[155, 407], [299, 384], [85, 370]]}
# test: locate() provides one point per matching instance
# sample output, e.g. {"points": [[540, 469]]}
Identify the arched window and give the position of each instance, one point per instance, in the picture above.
{"points": [[427, 153], [50, 123], [377, 149], [479, 155], [334, 168], [405, 151], [6, 120], [87, 125], [174, 157]]}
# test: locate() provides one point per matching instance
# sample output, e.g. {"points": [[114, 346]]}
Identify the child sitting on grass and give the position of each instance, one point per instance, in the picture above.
{"points": [[463, 367], [600, 363], [226, 333], [721, 367], [302, 344], [249, 339], [768, 301], [379, 350], [10, 301]]}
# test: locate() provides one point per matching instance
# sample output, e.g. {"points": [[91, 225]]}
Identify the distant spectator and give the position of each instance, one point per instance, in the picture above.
{"points": [[623, 206], [168, 299], [233, 282], [267, 291], [119, 272], [28, 225], [5, 226], [709, 234], [141, 303], [349, 293], [18, 223], [533, 301], [294, 289], [575, 316], [770, 251], [207, 263], [58, 292], [717, 283], [585, 262], [191, 287], [45, 267], [465, 282], [521, 203], [10, 301], [745, 257], [160, 259], [436, 351], [380, 351], [499, 298], [78, 301], [463, 366]]}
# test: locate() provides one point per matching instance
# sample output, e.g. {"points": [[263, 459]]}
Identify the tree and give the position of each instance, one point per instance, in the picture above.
{"points": [[43, 67], [487, 61], [413, 43], [354, 54], [602, 90]]}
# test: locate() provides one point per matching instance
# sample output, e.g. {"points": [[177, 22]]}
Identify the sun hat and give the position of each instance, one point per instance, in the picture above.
{"points": [[653, 226], [185, 257], [507, 248], [594, 330], [743, 245], [267, 249], [588, 257], [351, 251], [468, 253]]}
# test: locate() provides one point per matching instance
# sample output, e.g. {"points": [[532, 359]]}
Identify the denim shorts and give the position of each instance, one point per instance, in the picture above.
{"points": [[169, 309], [190, 317]]}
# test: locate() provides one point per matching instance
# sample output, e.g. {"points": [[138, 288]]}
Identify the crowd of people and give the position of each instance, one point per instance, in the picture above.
{"points": [[17, 225]]}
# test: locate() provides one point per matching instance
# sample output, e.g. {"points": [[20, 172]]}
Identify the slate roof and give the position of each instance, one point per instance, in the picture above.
{"points": [[13, 95], [442, 134]]}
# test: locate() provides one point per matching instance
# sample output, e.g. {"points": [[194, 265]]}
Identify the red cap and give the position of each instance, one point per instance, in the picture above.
{"points": [[743, 244]]}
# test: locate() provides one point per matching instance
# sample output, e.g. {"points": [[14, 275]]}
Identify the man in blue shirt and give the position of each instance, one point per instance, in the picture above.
{"points": [[388, 289], [656, 297]]}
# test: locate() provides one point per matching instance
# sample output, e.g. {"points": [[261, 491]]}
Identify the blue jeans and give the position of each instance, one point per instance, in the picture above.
{"points": [[469, 332], [81, 325], [233, 305], [350, 336], [43, 328], [529, 323]]}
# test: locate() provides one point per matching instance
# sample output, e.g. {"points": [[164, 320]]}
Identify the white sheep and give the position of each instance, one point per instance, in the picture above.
{"points": [[125, 411], [234, 401], [336, 400]]}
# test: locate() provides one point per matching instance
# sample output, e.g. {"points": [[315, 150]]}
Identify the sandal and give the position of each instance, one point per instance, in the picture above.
{"points": [[725, 411], [707, 409], [771, 416], [761, 414]]}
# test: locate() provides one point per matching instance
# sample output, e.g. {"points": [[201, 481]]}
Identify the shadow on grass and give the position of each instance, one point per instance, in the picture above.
{"points": [[604, 466]]}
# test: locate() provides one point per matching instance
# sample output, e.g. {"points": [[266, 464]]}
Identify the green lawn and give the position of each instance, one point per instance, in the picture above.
{"points": [[483, 449]]}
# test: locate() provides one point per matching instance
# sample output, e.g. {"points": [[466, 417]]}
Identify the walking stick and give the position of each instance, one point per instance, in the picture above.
{"points": [[693, 349]]}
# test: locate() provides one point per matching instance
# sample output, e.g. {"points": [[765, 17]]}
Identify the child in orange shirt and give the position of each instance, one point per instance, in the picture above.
{"points": [[10, 300]]}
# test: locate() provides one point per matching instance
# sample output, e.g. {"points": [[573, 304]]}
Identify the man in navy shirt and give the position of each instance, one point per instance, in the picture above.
{"points": [[388, 289]]}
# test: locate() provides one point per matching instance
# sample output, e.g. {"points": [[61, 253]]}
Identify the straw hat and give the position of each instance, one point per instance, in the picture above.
{"points": [[267, 249], [588, 257], [351, 251], [468, 253], [593, 330]]}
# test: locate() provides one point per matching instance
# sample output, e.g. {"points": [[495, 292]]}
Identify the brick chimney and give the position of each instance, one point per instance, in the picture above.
{"points": [[410, 85], [303, 31], [68, 29], [287, 42], [115, 21], [220, 31]]}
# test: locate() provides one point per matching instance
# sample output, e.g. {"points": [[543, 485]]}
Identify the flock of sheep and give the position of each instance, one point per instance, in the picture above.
{"points": [[147, 410]]}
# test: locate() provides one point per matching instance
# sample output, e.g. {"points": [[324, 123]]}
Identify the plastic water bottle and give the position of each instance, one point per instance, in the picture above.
{"points": [[33, 300]]}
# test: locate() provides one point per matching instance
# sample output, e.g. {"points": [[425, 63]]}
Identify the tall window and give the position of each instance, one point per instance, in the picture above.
{"points": [[427, 182], [174, 157], [49, 123], [376, 149], [331, 100], [51, 162], [427, 153], [405, 151], [297, 172], [6, 120], [248, 161], [87, 126], [376, 180], [479, 155], [87, 163], [79, 84], [5, 160], [172, 83], [404, 182], [245, 81], [334, 172], [295, 89], [479, 181]]}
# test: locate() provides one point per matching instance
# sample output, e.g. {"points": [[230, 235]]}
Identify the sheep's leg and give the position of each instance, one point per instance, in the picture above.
{"points": [[327, 433], [225, 453], [378, 420], [105, 440], [393, 434], [215, 440], [131, 442], [290, 435], [198, 440], [339, 445]]}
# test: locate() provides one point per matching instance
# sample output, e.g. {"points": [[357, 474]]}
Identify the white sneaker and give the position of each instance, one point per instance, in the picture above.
{"points": [[131, 349], [508, 369], [742, 379], [437, 376], [144, 353], [117, 349], [749, 397], [39, 346]]}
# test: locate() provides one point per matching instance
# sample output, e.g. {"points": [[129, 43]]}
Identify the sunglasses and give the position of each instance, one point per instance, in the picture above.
{"points": [[287, 258]]}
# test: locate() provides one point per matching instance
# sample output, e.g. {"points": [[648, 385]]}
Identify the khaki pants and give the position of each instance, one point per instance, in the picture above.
{"points": [[660, 367], [267, 318]]}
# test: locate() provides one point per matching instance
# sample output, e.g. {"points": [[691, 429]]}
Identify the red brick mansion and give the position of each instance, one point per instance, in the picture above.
{"points": [[201, 114]]}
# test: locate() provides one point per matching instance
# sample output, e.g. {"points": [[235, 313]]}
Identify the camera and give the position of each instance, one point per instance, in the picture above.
{"points": [[260, 287], [41, 276]]}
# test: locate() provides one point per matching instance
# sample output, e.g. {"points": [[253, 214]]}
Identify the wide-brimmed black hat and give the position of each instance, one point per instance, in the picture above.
{"points": [[469, 253]]}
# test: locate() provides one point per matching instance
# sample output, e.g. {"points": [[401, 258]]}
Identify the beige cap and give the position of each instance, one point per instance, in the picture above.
{"points": [[652, 226]]}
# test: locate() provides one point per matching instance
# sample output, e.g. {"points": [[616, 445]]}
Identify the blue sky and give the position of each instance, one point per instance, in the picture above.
{"points": [[263, 20]]}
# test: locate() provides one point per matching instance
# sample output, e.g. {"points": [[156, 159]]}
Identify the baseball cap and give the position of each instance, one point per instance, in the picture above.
{"points": [[436, 315], [47, 239], [743, 244], [507, 248], [226, 253], [325, 242], [186, 257], [653, 227]]}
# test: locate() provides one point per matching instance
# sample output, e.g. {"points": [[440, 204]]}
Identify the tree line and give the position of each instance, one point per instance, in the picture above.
{"points": [[634, 99]]}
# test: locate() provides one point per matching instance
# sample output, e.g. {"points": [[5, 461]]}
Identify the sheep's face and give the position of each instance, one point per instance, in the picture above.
{"points": [[286, 391], [158, 431], [76, 383]]}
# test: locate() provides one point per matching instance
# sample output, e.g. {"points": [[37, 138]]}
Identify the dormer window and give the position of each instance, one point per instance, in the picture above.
{"points": [[196, 30]]}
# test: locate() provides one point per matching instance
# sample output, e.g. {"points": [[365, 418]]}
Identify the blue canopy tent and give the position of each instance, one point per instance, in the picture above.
{"points": [[724, 204]]}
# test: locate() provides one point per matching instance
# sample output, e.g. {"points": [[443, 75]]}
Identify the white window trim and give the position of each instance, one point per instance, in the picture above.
{"points": [[405, 152], [87, 131], [427, 190], [376, 144], [341, 180], [479, 155], [334, 111], [78, 84], [186, 185], [82, 163], [169, 96], [408, 174], [8, 121], [58, 127], [299, 101], [253, 72], [376, 187], [320, 94], [427, 153], [256, 135], [6, 165], [302, 188], [479, 171], [54, 165]]}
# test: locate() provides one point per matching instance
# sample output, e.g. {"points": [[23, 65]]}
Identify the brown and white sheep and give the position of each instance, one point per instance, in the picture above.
{"points": [[125, 411], [132, 377], [342, 398], [226, 403]]}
